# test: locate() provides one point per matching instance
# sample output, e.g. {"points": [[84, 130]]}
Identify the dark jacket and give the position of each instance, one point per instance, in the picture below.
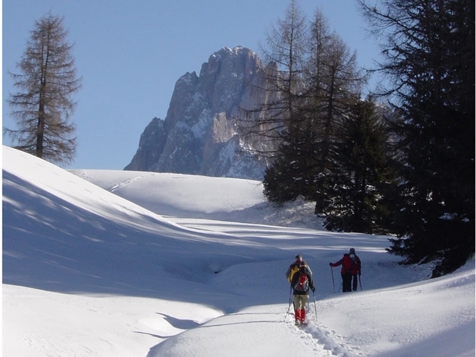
{"points": [[357, 265], [295, 279], [296, 264]]}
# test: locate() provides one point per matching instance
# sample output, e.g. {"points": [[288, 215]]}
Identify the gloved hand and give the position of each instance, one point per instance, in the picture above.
{"points": [[313, 289], [330, 264], [360, 273]]}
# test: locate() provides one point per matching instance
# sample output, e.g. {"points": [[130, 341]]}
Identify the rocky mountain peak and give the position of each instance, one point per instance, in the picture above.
{"points": [[200, 134]]}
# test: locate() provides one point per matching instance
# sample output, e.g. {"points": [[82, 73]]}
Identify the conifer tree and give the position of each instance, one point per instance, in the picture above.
{"points": [[429, 57], [286, 52], [361, 170], [333, 84], [43, 105], [317, 83], [293, 172]]}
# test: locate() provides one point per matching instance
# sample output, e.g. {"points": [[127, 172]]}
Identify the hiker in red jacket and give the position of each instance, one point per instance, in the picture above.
{"points": [[346, 272]]}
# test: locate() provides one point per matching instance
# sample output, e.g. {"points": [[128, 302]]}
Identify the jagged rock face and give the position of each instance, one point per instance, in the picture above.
{"points": [[151, 144], [200, 134]]}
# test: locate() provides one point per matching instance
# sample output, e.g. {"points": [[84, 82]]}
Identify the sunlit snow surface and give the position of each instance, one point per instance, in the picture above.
{"points": [[122, 263]]}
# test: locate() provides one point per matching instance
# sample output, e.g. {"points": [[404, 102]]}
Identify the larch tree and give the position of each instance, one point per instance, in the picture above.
{"points": [[286, 52], [317, 80], [278, 88], [43, 105], [333, 83]]}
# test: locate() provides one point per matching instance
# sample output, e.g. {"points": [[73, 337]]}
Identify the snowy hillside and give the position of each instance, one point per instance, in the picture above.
{"points": [[147, 264]]}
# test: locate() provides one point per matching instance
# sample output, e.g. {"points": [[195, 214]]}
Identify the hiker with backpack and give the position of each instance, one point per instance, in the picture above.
{"points": [[295, 267], [301, 282], [346, 271], [356, 271]]}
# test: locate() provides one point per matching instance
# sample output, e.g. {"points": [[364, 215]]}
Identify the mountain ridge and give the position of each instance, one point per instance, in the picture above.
{"points": [[201, 133]]}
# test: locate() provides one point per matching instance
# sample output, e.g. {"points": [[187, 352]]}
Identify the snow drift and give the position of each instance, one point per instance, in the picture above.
{"points": [[120, 263]]}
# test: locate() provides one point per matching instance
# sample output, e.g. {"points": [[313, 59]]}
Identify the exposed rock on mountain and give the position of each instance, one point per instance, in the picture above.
{"points": [[200, 134]]}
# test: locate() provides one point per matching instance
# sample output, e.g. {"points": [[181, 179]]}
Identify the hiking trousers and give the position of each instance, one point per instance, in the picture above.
{"points": [[300, 301], [355, 280], [346, 282]]}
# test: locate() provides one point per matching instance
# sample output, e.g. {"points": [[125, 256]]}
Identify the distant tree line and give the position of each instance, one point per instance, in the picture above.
{"points": [[405, 168]]}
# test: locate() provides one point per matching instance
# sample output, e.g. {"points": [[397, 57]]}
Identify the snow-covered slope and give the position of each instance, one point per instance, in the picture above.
{"points": [[87, 272]]}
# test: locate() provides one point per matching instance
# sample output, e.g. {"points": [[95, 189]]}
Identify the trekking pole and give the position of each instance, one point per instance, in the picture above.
{"points": [[289, 306], [340, 286], [360, 282], [332, 272], [315, 308], [287, 312]]}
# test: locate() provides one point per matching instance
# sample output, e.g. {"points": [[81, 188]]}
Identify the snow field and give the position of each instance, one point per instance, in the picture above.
{"points": [[107, 263]]}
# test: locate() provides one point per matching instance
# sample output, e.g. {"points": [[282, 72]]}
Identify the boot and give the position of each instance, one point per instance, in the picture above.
{"points": [[302, 315], [297, 316]]}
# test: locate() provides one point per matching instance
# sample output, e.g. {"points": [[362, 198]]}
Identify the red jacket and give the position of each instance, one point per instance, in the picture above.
{"points": [[347, 264]]}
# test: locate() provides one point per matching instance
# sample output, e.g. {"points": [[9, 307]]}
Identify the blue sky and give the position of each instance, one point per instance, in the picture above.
{"points": [[131, 53]]}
